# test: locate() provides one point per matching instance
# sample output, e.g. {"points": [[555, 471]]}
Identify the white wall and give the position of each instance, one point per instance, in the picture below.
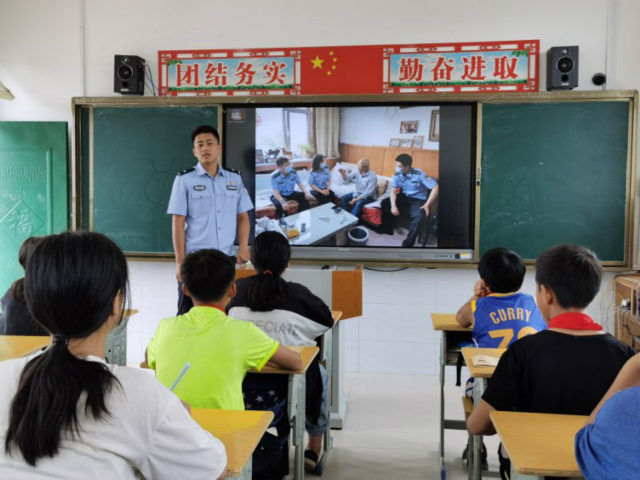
{"points": [[374, 126], [51, 50]]}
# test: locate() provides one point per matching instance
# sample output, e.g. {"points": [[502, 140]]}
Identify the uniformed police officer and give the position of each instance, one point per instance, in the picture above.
{"points": [[320, 181], [283, 183], [412, 192], [208, 204]]}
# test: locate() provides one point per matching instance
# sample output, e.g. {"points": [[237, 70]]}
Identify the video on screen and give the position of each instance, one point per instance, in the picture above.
{"points": [[348, 176]]}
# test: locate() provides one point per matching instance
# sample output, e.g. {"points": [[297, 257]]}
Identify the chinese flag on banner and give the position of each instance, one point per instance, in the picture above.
{"points": [[341, 70]]}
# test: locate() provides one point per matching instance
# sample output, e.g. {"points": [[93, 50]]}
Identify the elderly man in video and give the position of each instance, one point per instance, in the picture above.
{"points": [[366, 182]]}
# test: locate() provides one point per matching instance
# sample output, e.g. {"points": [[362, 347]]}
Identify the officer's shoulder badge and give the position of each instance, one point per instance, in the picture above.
{"points": [[186, 170], [276, 174], [232, 170], [416, 171]]}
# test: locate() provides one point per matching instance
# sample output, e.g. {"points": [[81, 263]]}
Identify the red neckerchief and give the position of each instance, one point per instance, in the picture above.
{"points": [[574, 321]]}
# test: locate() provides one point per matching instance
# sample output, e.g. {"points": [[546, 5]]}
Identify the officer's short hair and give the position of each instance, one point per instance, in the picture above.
{"points": [[571, 272], [281, 161], [405, 159], [205, 129], [502, 269], [207, 274]]}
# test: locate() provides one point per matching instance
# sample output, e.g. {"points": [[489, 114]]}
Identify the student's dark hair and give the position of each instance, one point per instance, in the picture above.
{"points": [[270, 254], [405, 159], [205, 129], [316, 162], [72, 280], [281, 161], [572, 272], [207, 274], [502, 269], [27, 247]]}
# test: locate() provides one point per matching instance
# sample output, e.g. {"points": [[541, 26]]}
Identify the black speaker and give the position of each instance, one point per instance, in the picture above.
{"points": [[128, 74], [562, 68]]}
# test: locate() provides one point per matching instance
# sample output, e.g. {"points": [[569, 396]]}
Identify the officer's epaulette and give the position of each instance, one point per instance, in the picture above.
{"points": [[186, 170], [232, 170], [397, 173], [415, 170], [276, 174]]}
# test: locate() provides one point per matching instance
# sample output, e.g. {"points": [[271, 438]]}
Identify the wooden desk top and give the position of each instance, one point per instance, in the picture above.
{"points": [[239, 431], [481, 372], [540, 443], [307, 353], [14, 346], [337, 316], [447, 322]]}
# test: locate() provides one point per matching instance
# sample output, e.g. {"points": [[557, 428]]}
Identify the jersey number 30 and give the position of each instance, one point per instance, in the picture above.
{"points": [[506, 334]]}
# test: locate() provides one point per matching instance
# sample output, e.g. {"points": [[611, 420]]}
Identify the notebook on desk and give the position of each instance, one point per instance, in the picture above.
{"points": [[484, 361]]}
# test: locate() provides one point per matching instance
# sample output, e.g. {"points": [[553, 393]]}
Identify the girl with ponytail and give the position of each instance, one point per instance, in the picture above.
{"points": [[65, 412], [292, 315]]}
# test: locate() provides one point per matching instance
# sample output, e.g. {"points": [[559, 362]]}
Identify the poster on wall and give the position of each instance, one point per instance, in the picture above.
{"points": [[471, 67]]}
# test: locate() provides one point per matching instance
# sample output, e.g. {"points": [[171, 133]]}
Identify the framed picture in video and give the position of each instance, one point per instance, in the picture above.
{"points": [[394, 142], [417, 141], [410, 126]]}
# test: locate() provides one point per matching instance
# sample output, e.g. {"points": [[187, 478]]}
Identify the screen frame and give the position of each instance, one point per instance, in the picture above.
{"points": [[632, 258]]}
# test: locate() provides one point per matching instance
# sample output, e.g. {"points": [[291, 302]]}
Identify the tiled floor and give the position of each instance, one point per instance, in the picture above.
{"points": [[391, 431]]}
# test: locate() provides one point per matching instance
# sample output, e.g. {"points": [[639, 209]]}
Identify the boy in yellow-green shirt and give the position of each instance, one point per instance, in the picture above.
{"points": [[220, 349]]}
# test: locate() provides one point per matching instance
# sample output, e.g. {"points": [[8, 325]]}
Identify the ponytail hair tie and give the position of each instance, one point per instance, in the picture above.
{"points": [[60, 339], [267, 272]]}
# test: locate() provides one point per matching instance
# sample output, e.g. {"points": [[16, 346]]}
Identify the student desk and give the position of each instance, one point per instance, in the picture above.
{"points": [[539, 444], [239, 431], [480, 375], [296, 403], [452, 336], [14, 346]]}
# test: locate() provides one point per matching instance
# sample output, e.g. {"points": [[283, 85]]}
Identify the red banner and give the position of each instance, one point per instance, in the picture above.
{"points": [[371, 69]]}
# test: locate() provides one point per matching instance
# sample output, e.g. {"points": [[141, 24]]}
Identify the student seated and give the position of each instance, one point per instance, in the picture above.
{"points": [[608, 447], [291, 314], [499, 313], [15, 318], [65, 412], [220, 349], [565, 369]]}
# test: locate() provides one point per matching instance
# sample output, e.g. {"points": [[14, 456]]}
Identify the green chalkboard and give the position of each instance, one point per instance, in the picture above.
{"points": [[137, 152], [555, 173], [34, 197]]}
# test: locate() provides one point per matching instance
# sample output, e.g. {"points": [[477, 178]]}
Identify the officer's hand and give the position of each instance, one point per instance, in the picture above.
{"points": [[243, 254], [352, 202], [426, 209], [286, 206], [395, 211], [178, 274], [308, 196], [326, 192]]}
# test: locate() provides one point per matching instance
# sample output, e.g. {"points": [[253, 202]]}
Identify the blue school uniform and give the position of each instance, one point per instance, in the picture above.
{"points": [[503, 318]]}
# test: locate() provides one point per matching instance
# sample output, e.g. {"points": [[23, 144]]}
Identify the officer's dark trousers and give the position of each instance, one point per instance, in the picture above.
{"points": [[297, 196], [184, 303], [322, 199], [411, 207]]}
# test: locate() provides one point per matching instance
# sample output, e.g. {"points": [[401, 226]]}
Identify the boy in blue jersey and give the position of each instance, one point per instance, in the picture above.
{"points": [[500, 314]]}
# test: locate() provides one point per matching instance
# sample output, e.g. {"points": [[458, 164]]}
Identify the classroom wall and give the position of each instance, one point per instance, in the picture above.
{"points": [[51, 50]]}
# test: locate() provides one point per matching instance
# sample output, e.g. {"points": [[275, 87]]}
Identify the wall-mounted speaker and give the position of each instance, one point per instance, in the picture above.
{"points": [[128, 74], [562, 68]]}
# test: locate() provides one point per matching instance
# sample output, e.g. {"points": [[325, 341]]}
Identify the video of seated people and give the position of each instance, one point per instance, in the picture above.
{"points": [[357, 176]]}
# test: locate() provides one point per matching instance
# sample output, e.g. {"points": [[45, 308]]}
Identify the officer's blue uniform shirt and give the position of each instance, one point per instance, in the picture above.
{"points": [[211, 206], [320, 178], [285, 184], [503, 318], [415, 184]]}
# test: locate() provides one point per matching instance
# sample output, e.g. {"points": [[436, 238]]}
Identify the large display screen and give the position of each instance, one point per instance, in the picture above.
{"points": [[359, 181]]}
